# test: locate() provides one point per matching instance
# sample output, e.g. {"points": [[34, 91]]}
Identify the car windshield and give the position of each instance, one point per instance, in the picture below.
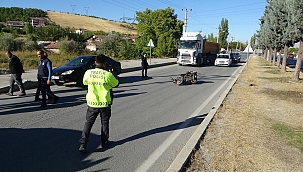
{"points": [[187, 45], [223, 56], [78, 61]]}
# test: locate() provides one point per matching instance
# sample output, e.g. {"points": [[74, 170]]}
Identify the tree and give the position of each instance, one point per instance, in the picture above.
{"points": [[163, 27], [211, 38], [295, 9], [223, 32]]}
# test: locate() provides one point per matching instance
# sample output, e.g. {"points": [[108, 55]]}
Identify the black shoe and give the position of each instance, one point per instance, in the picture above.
{"points": [[104, 144], [82, 148], [56, 98], [9, 94], [22, 94], [43, 106], [37, 100]]}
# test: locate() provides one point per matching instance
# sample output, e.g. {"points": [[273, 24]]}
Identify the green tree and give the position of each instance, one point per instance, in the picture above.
{"points": [[7, 42], [163, 27], [223, 33], [211, 38], [295, 9]]}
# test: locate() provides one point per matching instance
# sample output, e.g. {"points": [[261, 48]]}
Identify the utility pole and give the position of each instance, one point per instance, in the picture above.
{"points": [[123, 18], [228, 43], [185, 19], [218, 35], [232, 40], [86, 9], [73, 8]]}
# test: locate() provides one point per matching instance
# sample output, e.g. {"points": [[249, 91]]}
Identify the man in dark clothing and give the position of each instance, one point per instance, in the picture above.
{"points": [[16, 70], [144, 65], [44, 77], [49, 93]]}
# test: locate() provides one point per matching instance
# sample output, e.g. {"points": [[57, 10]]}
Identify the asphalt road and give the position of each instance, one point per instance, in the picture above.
{"points": [[152, 119]]}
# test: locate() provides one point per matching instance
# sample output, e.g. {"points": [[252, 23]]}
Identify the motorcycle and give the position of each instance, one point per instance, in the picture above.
{"points": [[190, 77]]}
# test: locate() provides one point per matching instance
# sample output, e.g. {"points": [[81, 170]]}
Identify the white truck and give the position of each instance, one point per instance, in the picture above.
{"points": [[193, 49]]}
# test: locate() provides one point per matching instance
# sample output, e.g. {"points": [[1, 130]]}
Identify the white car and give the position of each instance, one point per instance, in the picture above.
{"points": [[223, 60]]}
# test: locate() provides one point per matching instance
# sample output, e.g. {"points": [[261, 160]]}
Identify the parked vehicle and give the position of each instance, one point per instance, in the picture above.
{"points": [[223, 60], [290, 55], [194, 50], [235, 56], [73, 71]]}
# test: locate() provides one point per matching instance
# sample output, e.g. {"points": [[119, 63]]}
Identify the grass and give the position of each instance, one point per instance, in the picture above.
{"points": [[289, 95], [30, 59], [90, 23], [293, 135], [275, 71], [278, 79]]}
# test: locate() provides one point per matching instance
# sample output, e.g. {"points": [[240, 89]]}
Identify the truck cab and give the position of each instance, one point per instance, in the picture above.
{"points": [[194, 50], [189, 47]]}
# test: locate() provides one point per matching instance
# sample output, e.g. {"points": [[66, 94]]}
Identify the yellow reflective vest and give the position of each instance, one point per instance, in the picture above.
{"points": [[99, 83]]}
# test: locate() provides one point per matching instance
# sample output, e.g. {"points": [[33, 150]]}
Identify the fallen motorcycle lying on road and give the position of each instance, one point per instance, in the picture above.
{"points": [[190, 77]]}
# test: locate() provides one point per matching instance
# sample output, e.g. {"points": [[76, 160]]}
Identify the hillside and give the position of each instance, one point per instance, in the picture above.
{"points": [[89, 23]]}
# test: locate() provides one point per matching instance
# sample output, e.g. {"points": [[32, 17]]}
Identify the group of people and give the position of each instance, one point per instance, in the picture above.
{"points": [[44, 77], [99, 96]]}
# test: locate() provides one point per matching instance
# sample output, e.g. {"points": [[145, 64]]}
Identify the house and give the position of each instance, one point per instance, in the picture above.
{"points": [[15, 23], [81, 30], [92, 43], [36, 22], [52, 47]]}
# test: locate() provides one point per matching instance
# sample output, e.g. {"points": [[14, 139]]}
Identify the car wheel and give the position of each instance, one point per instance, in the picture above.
{"points": [[80, 81]]}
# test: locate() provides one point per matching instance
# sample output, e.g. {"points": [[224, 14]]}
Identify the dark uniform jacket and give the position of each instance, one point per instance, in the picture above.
{"points": [[42, 68]]}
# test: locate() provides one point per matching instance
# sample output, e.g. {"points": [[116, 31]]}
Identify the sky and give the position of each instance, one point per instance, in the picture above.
{"points": [[202, 15]]}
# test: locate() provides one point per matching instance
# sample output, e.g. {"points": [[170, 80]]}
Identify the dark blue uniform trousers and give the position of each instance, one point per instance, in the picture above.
{"points": [[91, 115]]}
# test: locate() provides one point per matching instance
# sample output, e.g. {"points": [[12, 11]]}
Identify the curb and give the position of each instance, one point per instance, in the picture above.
{"points": [[184, 155], [33, 84]]}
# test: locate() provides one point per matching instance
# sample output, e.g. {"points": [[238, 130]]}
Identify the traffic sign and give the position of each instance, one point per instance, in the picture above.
{"points": [[150, 44]]}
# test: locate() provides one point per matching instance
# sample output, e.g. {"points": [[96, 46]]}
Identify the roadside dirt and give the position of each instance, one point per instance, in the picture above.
{"points": [[241, 137]]}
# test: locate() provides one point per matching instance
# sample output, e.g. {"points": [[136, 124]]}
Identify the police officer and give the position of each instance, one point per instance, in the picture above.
{"points": [[44, 77], [98, 98]]}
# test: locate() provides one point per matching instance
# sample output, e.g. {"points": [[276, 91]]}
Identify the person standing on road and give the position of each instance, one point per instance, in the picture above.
{"points": [[144, 65], [16, 70], [44, 77], [98, 98], [49, 93]]}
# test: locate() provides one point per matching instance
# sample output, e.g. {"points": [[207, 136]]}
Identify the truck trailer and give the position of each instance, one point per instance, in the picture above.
{"points": [[193, 49]]}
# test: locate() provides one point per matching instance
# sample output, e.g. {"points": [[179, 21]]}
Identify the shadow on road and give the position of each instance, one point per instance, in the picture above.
{"points": [[194, 121], [44, 149]]}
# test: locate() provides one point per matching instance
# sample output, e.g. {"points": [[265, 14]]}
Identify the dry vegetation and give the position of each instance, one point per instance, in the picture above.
{"points": [[258, 127], [89, 23]]}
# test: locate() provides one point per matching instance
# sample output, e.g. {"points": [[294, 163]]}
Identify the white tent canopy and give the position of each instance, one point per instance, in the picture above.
{"points": [[248, 49]]}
